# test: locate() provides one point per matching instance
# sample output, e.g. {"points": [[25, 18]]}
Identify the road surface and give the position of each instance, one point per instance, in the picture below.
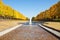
{"points": [[28, 32]]}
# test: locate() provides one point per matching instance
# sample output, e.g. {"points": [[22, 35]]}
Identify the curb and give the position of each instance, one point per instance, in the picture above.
{"points": [[9, 30], [53, 32], [51, 28]]}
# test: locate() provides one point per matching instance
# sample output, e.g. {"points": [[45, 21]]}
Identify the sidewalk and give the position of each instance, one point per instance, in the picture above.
{"points": [[27, 32]]}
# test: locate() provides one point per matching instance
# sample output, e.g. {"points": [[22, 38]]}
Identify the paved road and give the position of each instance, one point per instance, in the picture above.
{"points": [[28, 32]]}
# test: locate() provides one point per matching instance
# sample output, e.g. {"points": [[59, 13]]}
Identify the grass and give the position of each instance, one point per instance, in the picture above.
{"points": [[55, 25], [5, 24]]}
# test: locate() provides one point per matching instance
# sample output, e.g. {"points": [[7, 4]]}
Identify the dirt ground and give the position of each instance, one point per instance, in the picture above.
{"points": [[55, 25]]}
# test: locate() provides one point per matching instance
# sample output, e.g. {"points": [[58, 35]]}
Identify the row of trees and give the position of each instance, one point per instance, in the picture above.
{"points": [[6, 12], [50, 14]]}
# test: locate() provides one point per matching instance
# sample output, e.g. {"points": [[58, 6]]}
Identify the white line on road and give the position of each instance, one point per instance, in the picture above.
{"points": [[51, 30], [9, 30]]}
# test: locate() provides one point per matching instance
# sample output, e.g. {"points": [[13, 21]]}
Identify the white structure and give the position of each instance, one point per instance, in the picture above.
{"points": [[30, 22]]}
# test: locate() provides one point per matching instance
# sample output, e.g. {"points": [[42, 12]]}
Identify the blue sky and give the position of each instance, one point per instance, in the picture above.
{"points": [[30, 8]]}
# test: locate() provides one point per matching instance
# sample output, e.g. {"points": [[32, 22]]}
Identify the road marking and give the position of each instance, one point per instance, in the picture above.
{"points": [[9, 30], [51, 30]]}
